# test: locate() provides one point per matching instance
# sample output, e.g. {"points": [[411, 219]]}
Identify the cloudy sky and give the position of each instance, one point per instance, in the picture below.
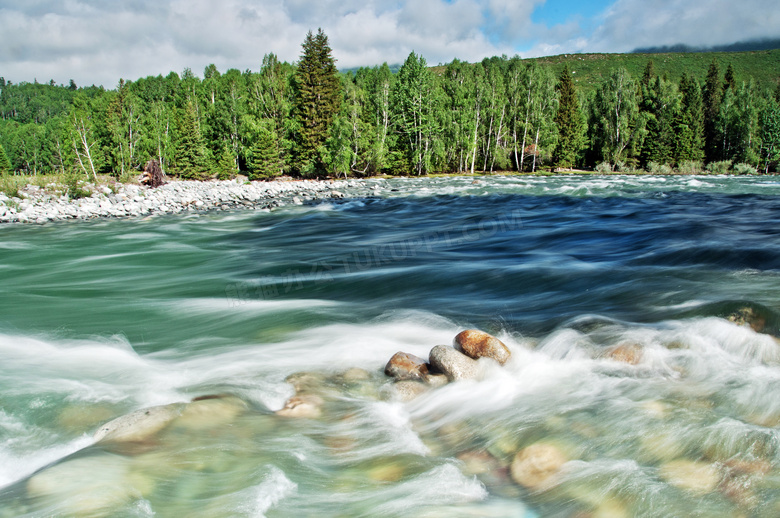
{"points": [[100, 41]]}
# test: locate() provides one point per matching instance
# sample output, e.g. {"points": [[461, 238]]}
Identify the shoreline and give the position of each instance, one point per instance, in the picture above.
{"points": [[39, 205]]}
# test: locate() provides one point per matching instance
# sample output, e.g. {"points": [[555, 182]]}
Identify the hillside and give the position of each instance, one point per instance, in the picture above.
{"points": [[590, 69]]}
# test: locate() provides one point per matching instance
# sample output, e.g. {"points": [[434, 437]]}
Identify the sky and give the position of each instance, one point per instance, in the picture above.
{"points": [[101, 41]]}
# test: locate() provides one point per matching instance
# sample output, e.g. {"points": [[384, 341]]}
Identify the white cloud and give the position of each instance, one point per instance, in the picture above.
{"points": [[100, 41], [629, 24]]}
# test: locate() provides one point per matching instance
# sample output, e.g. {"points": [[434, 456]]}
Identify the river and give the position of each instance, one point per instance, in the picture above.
{"points": [[641, 313]]}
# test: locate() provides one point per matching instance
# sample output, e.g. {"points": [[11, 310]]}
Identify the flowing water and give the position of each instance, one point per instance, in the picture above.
{"points": [[640, 313]]}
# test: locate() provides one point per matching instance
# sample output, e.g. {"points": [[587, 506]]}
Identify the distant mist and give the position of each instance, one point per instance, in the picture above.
{"points": [[740, 46]]}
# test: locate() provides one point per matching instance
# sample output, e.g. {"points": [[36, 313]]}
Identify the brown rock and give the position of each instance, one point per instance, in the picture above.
{"points": [[626, 352], [405, 366], [455, 364], [478, 344], [406, 390], [533, 467]]}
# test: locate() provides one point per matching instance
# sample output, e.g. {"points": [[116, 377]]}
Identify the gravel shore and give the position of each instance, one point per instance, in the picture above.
{"points": [[37, 205]]}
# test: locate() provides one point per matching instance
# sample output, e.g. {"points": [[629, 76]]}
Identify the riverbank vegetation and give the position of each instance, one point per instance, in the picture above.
{"points": [[308, 120]]}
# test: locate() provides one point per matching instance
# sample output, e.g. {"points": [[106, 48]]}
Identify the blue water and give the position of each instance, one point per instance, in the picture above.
{"points": [[98, 319]]}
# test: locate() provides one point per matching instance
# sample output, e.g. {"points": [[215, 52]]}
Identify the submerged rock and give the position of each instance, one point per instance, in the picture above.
{"points": [[89, 486], [405, 390], [478, 344], [210, 411], [454, 364], [307, 405], [694, 476], [405, 366], [535, 466], [140, 425], [626, 352]]}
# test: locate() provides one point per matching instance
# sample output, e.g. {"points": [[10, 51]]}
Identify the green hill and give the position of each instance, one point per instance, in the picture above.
{"points": [[590, 69]]}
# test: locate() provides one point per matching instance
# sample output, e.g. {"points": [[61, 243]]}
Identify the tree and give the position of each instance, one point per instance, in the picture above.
{"points": [[661, 106], [713, 92], [5, 164], [729, 81], [770, 133], [317, 99], [615, 111], [265, 156], [82, 136], [689, 126], [190, 149], [415, 97], [571, 130]]}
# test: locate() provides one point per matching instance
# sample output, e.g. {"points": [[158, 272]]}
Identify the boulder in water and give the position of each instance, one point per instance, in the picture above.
{"points": [[307, 405], [694, 476], [626, 352], [405, 366], [454, 364], [535, 466], [140, 425], [478, 344], [210, 411], [405, 390]]}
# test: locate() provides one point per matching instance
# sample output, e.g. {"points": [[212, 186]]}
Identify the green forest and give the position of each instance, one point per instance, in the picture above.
{"points": [[306, 119]]}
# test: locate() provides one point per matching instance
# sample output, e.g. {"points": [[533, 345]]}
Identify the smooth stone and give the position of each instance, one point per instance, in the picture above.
{"points": [[405, 366], [355, 374], [626, 353], [307, 406], [478, 462], [139, 425], [436, 380], [88, 486], [537, 465], [478, 344], [694, 476], [305, 382], [454, 364], [210, 411], [406, 390]]}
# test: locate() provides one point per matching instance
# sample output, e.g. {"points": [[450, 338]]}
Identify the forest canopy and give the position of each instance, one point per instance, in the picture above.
{"points": [[307, 119]]}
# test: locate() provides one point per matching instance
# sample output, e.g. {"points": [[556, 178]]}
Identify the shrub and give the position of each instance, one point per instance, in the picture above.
{"points": [[604, 167], [656, 168], [721, 167], [74, 186], [9, 185], [690, 167], [743, 168]]}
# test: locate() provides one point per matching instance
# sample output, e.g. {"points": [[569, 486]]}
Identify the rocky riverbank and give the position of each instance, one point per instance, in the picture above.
{"points": [[42, 205]]}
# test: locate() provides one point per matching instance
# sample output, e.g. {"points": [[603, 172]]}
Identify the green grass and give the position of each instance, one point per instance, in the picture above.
{"points": [[589, 70]]}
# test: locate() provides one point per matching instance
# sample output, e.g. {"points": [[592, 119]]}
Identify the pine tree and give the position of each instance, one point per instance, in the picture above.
{"points": [[265, 156], [729, 81], [689, 145], [317, 99], [5, 164], [571, 137], [190, 149], [712, 97], [226, 167]]}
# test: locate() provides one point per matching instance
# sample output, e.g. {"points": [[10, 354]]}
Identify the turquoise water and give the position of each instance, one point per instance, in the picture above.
{"points": [[102, 318]]}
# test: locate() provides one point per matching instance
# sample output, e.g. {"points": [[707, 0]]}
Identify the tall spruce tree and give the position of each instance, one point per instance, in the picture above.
{"points": [[712, 95], [317, 99], [190, 148], [571, 130], [5, 164], [689, 127], [729, 80]]}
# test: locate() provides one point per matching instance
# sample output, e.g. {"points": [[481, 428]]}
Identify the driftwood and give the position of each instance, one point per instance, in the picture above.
{"points": [[153, 175]]}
